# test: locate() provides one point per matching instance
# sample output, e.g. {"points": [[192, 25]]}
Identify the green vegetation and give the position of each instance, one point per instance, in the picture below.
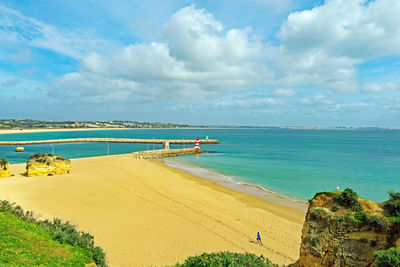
{"points": [[317, 213], [380, 223], [3, 163], [27, 244], [361, 216], [43, 158], [314, 241], [223, 259], [356, 216], [28, 241], [331, 193], [392, 206], [390, 257], [349, 199], [335, 207], [342, 218]]}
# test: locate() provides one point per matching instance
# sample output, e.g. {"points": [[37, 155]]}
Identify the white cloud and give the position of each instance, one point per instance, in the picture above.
{"points": [[345, 28], [92, 88], [25, 30], [20, 55], [248, 103], [316, 100], [15, 87], [196, 38], [379, 87], [284, 92], [197, 57], [324, 45]]}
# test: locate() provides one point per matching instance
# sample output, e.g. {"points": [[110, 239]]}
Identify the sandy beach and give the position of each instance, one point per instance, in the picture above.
{"points": [[143, 212]]}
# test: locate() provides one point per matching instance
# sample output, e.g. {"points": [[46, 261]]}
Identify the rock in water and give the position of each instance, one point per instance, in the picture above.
{"points": [[4, 168], [43, 164], [345, 230], [20, 149]]}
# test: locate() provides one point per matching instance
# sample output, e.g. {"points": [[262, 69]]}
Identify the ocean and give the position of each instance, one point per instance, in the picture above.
{"points": [[295, 163]]}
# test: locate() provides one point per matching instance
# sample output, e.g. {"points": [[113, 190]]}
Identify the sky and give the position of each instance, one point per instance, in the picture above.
{"points": [[209, 62]]}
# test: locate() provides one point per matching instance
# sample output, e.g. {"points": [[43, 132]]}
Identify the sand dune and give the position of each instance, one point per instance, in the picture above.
{"points": [[145, 213]]}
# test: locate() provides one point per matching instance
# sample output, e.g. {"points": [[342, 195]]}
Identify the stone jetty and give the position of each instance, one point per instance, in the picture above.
{"points": [[108, 140], [165, 153]]}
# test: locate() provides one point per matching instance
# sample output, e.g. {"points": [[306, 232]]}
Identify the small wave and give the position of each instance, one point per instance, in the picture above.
{"points": [[232, 182]]}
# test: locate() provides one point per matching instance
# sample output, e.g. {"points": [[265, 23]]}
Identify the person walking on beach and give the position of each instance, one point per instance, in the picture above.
{"points": [[259, 238]]}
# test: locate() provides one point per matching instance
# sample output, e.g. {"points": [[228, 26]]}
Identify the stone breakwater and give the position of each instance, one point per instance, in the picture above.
{"points": [[165, 153], [108, 140]]}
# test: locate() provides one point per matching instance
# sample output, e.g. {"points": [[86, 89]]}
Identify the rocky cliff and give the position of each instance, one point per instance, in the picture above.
{"points": [[44, 164], [4, 168], [342, 229]]}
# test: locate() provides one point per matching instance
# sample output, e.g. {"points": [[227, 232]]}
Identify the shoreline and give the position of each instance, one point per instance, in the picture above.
{"points": [[113, 197], [208, 175], [246, 188]]}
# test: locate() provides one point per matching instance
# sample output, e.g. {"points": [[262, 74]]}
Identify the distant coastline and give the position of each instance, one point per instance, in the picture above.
{"points": [[34, 125], [43, 130], [15, 131]]}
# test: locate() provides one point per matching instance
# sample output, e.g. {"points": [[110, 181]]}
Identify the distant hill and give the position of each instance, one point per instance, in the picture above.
{"points": [[35, 124]]}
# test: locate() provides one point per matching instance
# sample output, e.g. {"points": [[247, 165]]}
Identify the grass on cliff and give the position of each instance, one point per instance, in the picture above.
{"points": [[385, 258], [349, 199], [392, 206], [354, 215], [225, 259], [26, 241], [27, 244], [44, 158]]}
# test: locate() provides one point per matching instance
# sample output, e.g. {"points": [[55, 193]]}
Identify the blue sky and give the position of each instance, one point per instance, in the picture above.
{"points": [[242, 62]]}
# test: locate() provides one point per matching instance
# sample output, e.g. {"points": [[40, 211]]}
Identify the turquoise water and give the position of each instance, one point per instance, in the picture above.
{"points": [[294, 163]]}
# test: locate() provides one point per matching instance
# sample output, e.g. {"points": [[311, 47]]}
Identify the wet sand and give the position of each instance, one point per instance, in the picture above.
{"points": [[143, 212]]}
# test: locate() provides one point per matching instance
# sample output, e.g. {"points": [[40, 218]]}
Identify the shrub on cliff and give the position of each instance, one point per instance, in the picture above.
{"points": [[392, 206], [349, 199], [226, 259], [44, 158], [390, 257], [28, 244], [63, 232], [380, 223]]}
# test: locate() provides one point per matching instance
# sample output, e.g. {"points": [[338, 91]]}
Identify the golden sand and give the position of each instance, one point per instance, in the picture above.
{"points": [[143, 212]]}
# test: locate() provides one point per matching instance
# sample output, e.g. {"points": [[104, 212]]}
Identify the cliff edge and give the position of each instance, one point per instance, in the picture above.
{"points": [[342, 229]]}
